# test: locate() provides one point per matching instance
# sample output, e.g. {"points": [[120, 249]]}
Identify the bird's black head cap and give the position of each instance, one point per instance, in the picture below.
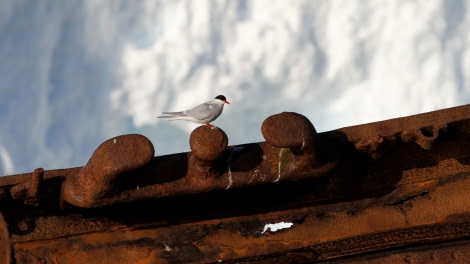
{"points": [[221, 97]]}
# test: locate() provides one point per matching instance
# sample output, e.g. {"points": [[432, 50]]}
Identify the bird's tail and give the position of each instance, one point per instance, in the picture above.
{"points": [[171, 114]]}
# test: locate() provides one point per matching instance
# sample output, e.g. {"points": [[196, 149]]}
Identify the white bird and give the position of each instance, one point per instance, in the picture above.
{"points": [[202, 114]]}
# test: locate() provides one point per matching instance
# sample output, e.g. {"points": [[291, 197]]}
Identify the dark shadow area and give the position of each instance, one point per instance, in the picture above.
{"points": [[159, 170], [241, 158], [459, 132], [22, 219], [245, 157]]}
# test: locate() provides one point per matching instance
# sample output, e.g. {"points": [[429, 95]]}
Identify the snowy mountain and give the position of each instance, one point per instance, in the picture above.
{"points": [[75, 73]]}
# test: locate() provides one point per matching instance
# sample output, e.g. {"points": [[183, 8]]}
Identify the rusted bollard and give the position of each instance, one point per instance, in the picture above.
{"points": [[207, 145], [112, 158], [295, 135]]}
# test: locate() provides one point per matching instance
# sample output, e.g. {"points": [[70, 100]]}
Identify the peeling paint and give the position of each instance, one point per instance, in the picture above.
{"points": [[258, 174], [275, 227], [229, 171], [167, 248]]}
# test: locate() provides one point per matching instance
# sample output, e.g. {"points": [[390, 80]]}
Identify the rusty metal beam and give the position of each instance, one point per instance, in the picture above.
{"points": [[367, 188], [271, 158]]}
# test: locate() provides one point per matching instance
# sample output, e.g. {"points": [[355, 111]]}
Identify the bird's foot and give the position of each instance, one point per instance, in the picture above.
{"points": [[210, 126]]}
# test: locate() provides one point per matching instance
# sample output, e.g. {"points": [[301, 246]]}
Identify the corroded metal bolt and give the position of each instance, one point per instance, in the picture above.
{"points": [[207, 145], [29, 190], [293, 131], [112, 158]]}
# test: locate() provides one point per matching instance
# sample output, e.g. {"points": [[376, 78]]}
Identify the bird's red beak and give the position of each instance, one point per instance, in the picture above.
{"points": [[227, 102]]}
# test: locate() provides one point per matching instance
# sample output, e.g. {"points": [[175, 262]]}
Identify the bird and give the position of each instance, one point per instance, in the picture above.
{"points": [[201, 114]]}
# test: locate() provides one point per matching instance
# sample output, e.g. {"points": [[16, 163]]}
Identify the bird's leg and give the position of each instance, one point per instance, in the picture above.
{"points": [[209, 125]]}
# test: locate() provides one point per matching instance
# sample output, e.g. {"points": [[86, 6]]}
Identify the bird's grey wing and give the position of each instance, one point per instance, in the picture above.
{"points": [[202, 111]]}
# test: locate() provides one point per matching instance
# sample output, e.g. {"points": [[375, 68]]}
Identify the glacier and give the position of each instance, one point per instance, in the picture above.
{"points": [[75, 73]]}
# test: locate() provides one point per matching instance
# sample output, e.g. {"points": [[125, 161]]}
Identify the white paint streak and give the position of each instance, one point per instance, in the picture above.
{"points": [[255, 174], [230, 179], [279, 166], [303, 141], [167, 248], [275, 227]]}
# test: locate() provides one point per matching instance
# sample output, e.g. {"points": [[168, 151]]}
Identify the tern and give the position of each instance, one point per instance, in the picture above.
{"points": [[201, 114]]}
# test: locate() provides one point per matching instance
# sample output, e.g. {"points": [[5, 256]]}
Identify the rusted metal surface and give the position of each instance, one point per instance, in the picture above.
{"points": [[294, 132], [457, 252], [112, 159], [5, 244], [28, 191], [208, 144], [370, 189]]}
